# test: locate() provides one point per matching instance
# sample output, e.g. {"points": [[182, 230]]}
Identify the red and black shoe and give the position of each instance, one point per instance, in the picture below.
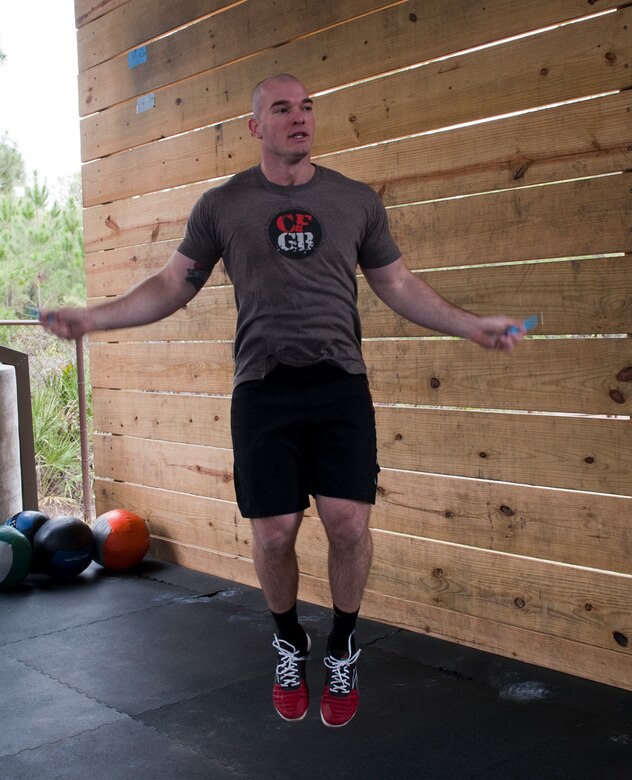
{"points": [[290, 694], [340, 697]]}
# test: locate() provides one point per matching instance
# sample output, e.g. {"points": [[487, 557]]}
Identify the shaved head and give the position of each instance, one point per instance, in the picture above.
{"points": [[257, 92]]}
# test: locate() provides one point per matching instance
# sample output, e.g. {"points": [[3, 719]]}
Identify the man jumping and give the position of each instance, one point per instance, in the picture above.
{"points": [[291, 235]]}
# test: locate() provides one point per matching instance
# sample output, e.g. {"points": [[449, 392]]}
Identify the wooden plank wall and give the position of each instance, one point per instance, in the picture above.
{"points": [[499, 136]]}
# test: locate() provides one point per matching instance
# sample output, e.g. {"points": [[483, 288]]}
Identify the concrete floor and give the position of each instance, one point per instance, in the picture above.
{"points": [[167, 673]]}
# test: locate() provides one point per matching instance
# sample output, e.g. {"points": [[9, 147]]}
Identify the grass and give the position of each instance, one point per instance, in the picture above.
{"points": [[56, 429]]}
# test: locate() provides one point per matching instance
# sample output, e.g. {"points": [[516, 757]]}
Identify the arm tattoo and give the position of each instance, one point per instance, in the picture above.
{"points": [[197, 276]]}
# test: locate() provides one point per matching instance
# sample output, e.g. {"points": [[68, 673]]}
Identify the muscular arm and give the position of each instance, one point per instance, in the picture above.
{"points": [[411, 297], [153, 299]]}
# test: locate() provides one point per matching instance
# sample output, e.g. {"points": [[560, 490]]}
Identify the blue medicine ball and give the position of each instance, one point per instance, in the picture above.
{"points": [[63, 547], [28, 522]]}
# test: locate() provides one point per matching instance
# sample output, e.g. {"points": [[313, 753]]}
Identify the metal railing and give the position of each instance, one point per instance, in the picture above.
{"points": [[83, 415]]}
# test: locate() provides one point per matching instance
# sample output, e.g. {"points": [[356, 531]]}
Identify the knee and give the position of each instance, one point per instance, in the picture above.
{"points": [[349, 533], [275, 543]]}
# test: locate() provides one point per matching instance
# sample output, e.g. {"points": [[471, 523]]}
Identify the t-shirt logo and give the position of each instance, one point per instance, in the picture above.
{"points": [[295, 233]]}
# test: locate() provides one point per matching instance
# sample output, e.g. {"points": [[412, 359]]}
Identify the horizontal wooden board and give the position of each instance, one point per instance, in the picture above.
{"points": [[166, 366], [115, 271], [570, 64], [563, 64], [557, 220], [179, 417], [231, 567], [566, 526], [211, 96], [606, 666], [135, 23], [211, 315], [576, 453], [591, 296], [578, 296], [561, 525], [205, 522], [587, 138], [88, 10], [238, 32], [399, 36], [147, 220], [203, 471], [568, 375]]}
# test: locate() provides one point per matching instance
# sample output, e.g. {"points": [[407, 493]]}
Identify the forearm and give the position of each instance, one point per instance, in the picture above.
{"points": [[411, 297], [148, 302], [155, 297], [421, 304], [417, 302]]}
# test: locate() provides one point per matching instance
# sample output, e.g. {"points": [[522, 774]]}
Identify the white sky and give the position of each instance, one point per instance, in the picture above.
{"points": [[38, 85]]}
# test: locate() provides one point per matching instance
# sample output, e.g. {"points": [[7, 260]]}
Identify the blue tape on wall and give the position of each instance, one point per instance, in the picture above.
{"points": [[137, 57], [145, 102]]}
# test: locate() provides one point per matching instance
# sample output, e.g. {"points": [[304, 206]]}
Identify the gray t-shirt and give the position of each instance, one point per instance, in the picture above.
{"points": [[291, 254]]}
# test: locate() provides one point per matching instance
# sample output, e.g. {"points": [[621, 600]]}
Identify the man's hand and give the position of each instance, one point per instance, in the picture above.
{"points": [[66, 323], [497, 332]]}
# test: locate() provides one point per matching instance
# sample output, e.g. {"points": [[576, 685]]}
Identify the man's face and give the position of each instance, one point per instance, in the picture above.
{"points": [[285, 125]]}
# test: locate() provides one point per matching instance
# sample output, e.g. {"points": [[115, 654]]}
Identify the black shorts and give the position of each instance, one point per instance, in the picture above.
{"points": [[299, 432]]}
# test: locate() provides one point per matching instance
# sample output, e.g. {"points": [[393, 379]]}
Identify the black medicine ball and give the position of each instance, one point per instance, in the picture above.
{"points": [[63, 547]]}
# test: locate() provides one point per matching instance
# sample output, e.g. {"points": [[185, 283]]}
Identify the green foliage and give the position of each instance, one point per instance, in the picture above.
{"points": [[55, 406], [41, 251], [41, 265], [11, 166]]}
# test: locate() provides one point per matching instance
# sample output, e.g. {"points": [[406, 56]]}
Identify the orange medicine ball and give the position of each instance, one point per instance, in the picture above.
{"points": [[121, 539]]}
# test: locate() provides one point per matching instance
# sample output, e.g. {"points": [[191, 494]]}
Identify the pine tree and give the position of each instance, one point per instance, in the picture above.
{"points": [[41, 249]]}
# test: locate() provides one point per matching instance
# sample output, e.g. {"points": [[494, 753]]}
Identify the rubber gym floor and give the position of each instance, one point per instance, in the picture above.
{"points": [[167, 673]]}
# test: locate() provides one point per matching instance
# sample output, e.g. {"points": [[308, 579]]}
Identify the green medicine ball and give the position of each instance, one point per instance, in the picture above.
{"points": [[15, 557]]}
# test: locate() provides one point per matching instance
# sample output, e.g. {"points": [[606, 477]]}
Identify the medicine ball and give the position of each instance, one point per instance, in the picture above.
{"points": [[28, 522], [121, 539], [63, 547], [15, 557]]}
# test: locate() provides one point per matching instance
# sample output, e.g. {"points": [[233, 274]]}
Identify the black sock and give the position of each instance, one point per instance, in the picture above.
{"points": [[344, 626], [289, 629]]}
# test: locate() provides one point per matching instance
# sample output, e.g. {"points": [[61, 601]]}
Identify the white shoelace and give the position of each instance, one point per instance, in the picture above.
{"points": [[341, 681], [287, 666]]}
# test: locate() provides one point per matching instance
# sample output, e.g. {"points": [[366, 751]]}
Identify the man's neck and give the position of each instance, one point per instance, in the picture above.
{"points": [[288, 175]]}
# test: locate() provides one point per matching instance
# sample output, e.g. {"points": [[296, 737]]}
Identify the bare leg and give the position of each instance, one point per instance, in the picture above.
{"points": [[350, 548], [275, 559]]}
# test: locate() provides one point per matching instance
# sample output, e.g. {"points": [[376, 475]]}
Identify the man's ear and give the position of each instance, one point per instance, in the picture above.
{"points": [[253, 126]]}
